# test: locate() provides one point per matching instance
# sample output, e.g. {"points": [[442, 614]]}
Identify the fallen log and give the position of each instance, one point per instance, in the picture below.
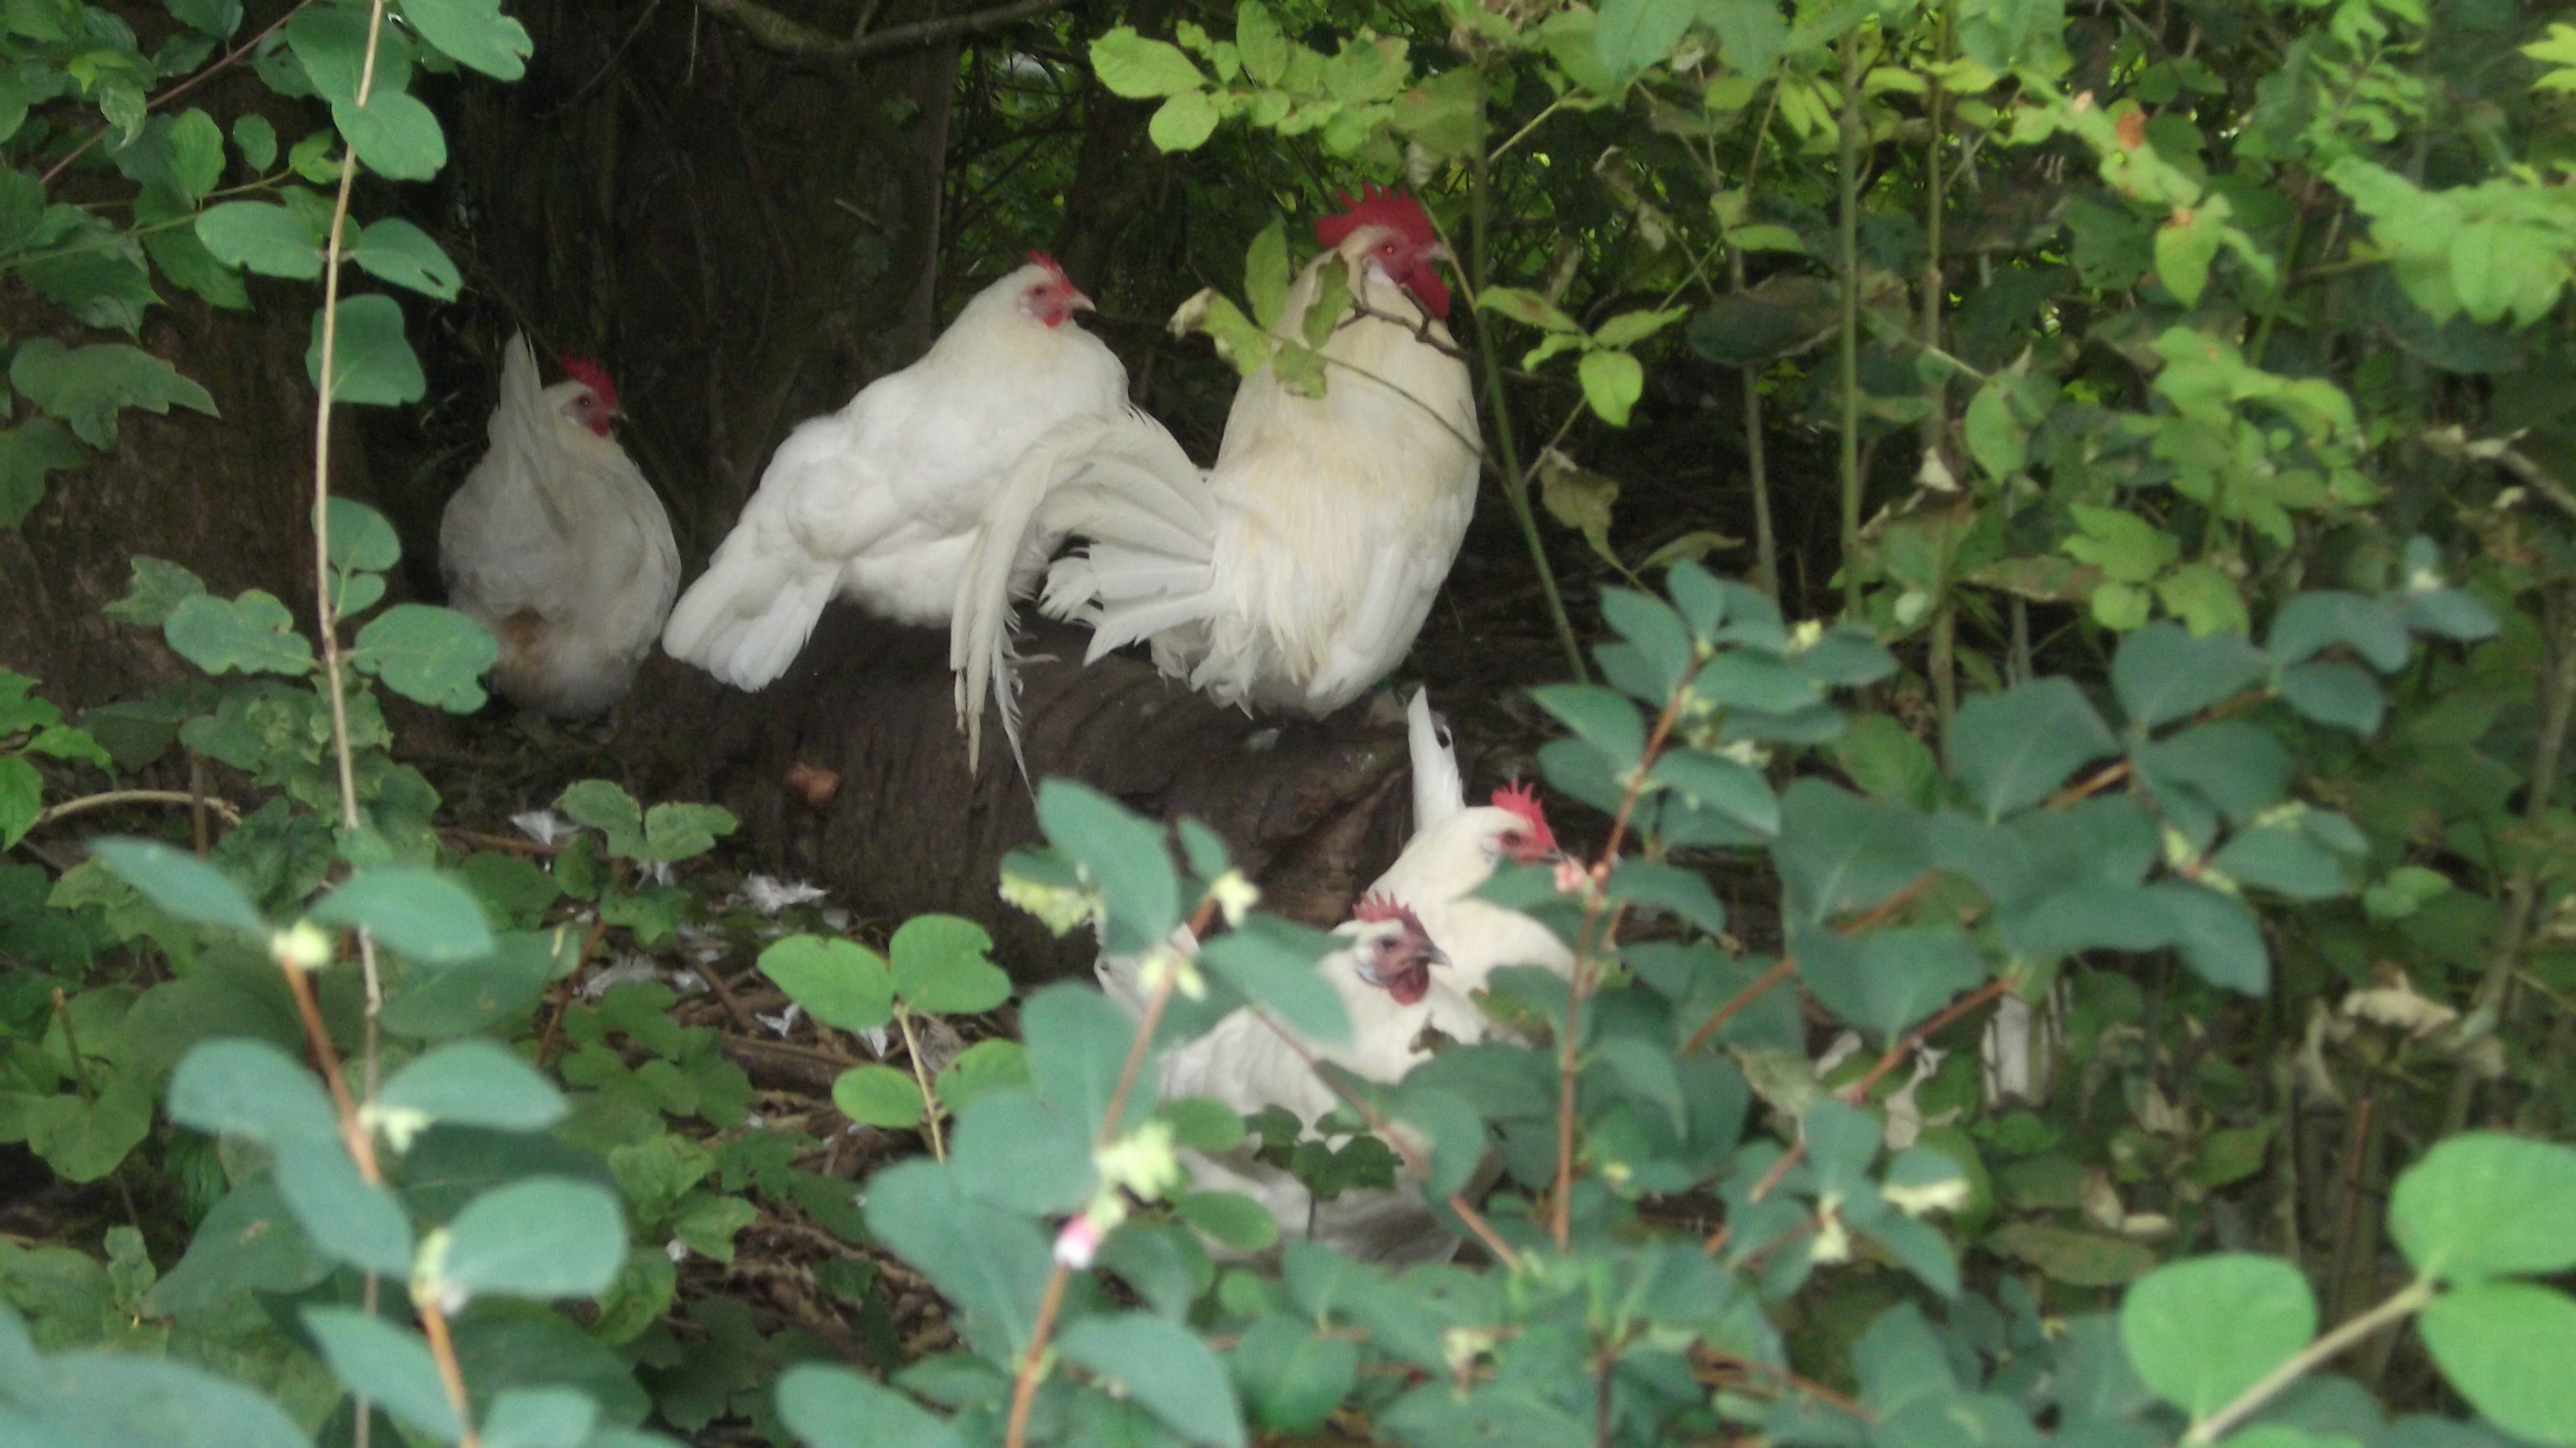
{"points": [[850, 772]]}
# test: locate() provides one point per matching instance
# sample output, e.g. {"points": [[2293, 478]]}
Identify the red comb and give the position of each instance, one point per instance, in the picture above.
{"points": [[1039, 258], [1377, 907], [593, 376], [1377, 206], [1522, 800]]}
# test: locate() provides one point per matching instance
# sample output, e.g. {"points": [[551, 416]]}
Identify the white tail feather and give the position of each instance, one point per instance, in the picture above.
{"points": [[747, 618], [1439, 791], [1121, 479]]}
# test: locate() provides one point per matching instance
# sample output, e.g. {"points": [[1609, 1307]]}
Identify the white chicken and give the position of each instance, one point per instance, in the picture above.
{"points": [[1295, 572], [1249, 1062], [557, 544], [881, 500], [1454, 850]]}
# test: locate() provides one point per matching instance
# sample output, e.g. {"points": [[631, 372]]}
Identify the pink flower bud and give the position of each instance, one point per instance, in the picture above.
{"points": [[1078, 1242]]}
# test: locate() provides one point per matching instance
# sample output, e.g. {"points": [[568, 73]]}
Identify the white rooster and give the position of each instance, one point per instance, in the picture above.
{"points": [[1295, 572], [881, 500], [557, 544]]}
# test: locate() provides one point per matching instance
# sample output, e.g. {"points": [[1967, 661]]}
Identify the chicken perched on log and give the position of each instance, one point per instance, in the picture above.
{"points": [[1295, 572], [557, 544], [881, 500]]}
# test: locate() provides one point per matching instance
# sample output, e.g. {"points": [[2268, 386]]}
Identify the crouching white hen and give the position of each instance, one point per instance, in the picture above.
{"points": [[881, 500], [558, 545]]}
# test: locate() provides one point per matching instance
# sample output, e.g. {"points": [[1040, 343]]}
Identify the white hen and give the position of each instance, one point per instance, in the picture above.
{"points": [[557, 544], [1250, 1062], [881, 500], [1454, 850], [1295, 572]]}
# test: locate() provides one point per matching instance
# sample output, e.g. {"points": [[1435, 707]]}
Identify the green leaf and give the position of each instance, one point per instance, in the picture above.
{"points": [[263, 237], [2163, 673], [1995, 436], [1526, 307], [674, 832], [2219, 938], [22, 799], [1233, 1221], [1258, 41], [988, 1261], [156, 589], [1077, 1046], [537, 1238], [2184, 251], [1612, 383], [1265, 264], [1714, 782], [475, 32], [436, 656], [2203, 1331], [1164, 1366], [421, 914], [346, 1218], [181, 884], [398, 252], [361, 537], [1661, 886], [253, 633], [2012, 749], [2336, 693], [30, 453], [87, 386], [1124, 856], [944, 965], [254, 137], [1291, 1377], [843, 985], [2284, 859], [1132, 66], [1011, 1151], [475, 1083], [832, 1407], [1887, 981], [1184, 122], [1201, 1124], [878, 1096], [388, 1365], [250, 1088], [123, 1398], [371, 363], [1631, 35], [249, 1243], [539, 1418], [981, 1068], [2506, 1347], [1840, 852], [2483, 1205], [1601, 718], [1272, 961], [2320, 619], [2077, 1258]]}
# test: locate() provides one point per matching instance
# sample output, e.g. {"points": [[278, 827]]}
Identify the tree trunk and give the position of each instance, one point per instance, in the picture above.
{"points": [[1312, 810]]}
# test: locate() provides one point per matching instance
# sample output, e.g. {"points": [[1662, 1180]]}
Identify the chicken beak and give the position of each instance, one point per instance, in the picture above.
{"points": [[1434, 955], [1438, 251], [1081, 303]]}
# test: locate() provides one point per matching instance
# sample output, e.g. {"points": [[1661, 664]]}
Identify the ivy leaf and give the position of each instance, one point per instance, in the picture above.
{"points": [[87, 386], [30, 453], [434, 655], [944, 965]]}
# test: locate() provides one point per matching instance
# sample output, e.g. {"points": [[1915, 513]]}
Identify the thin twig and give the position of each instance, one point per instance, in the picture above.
{"points": [[921, 1078], [115, 797], [1787, 967], [176, 91]]}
